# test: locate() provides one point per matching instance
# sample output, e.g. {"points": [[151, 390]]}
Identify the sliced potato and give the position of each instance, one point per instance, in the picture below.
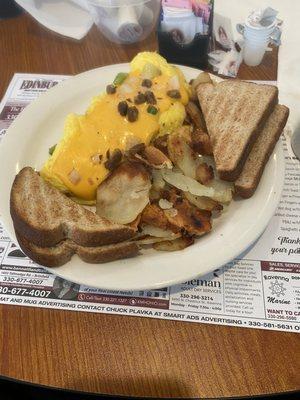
{"points": [[203, 77], [154, 195], [135, 223], [187, 184], [223, 190], [156, 158], [174, 245], [201, 142], [217, 183], [131, 142], [204, 174], [152, 157], [171, 194], [181, 153], [147, 240], [158, 232], [216, 190], [189, 218], [161, 143], [124, 194], [204, 203], [153, 215], [171, 212], [196, 116], [165, 204], [158, 181]]}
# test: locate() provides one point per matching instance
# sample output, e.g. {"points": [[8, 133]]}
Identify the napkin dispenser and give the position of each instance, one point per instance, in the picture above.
{"points": [[193, 54]]}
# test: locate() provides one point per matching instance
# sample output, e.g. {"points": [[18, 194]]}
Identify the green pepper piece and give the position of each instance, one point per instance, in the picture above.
{"points": [[120, 78], [152, 110], [51, 150]]}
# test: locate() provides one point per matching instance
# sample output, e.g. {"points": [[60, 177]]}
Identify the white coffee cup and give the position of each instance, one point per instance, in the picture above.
{"points": [[253, 53], [257, 39]]}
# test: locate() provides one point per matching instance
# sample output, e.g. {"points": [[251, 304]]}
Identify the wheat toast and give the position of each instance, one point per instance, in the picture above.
{"points": [[45, 216], [235, 112], [249, 178]]}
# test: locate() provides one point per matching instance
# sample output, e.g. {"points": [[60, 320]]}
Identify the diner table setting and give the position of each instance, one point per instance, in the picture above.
{"points": [[136, 259]]}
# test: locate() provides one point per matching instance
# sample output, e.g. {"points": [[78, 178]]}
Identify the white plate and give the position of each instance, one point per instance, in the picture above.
{"points": [[40, 126]]}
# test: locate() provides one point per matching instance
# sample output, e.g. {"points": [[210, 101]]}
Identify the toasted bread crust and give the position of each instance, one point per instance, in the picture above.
{"points": [[232, 175], [43, 255], [41, 237], [233, 137], [62, 253], [246, 187], [61, 219]]}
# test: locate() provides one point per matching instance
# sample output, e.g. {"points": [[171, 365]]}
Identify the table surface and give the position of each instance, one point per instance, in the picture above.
{"points": [[129, 355]]}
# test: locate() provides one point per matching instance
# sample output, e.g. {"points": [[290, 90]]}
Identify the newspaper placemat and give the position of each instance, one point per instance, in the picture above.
{"points": [[260, 290]]}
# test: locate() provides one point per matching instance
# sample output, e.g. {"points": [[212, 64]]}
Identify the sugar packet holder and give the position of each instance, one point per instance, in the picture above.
{"points": [[192, 54]]}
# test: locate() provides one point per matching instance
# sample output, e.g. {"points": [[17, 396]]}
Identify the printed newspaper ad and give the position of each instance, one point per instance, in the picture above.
{"points": [[259, 290]]}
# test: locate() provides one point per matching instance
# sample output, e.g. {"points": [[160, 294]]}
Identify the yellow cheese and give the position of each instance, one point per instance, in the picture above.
{"points": [[102, 128]]}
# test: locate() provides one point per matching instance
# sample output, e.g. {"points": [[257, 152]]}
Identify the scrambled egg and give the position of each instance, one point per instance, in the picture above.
{"points": [[77, 164], [172, 118]]}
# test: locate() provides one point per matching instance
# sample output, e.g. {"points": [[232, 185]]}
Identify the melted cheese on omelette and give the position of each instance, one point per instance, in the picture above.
{"points": [[102, 128]]}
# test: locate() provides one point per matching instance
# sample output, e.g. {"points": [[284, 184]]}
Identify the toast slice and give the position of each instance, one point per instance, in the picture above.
{"points": [[45, 216], [249, 178], [235, 112], [61, 253]]}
